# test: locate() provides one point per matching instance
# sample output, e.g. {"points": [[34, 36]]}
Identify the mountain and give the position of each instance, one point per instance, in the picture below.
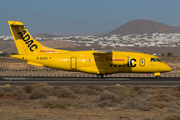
{"points": [[143, 26]]}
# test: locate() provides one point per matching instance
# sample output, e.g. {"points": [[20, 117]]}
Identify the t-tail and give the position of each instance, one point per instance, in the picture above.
{"points": [[25, 43]]}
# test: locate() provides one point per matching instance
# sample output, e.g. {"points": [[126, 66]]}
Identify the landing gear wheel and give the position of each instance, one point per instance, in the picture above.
{"points": [[157, 77], [100, 75]]}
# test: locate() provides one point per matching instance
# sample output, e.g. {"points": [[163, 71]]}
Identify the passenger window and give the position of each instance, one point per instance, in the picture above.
{"points": [[110, 65], [153, 59], [89, 60], [115, 65]]}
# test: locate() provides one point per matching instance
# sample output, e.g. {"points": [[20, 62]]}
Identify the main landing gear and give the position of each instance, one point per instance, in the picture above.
{"points": [[100, 75]]}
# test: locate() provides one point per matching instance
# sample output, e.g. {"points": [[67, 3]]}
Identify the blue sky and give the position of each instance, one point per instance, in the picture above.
{"points": [[67, 17]]}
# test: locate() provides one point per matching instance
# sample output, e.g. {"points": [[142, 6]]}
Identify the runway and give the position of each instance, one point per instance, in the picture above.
{"points": [[61, 81]]}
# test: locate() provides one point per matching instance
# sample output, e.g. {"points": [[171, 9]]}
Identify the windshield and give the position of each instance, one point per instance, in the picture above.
{"points": [[155, 60], [158, 60]]}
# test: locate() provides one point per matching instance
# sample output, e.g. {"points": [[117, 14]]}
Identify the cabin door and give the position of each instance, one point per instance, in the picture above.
{"points": [[73, 63]]}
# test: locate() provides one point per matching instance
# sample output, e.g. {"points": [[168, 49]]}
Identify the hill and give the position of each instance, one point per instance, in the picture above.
{"points": [[44, 35], [9, 45], [143, 26]]}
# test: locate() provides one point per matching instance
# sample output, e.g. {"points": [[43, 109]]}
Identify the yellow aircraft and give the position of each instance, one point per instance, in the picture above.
{"points": [[100, 62]]}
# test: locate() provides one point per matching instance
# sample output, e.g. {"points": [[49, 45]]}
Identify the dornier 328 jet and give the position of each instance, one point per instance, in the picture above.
{"points": [[100, 62]]}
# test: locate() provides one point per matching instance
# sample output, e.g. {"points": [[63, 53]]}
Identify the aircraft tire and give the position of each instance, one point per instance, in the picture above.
{"points": [[100, 75], [157, 77]]}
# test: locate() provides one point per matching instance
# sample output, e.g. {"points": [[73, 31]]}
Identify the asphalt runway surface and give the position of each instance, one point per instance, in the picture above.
{"points": [[61, 81]]}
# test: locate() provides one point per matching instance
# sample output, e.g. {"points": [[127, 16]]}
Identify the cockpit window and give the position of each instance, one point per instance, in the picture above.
{"points": [[158, 60], [155, 60]]}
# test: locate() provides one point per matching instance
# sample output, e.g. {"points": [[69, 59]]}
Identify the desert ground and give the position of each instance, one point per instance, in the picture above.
{"points": [[75, 102]]}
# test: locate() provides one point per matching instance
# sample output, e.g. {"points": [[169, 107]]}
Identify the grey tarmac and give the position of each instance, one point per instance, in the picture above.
{"points": [[62, 81]]}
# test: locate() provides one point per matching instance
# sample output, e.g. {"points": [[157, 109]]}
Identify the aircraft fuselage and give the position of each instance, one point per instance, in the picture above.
{"points": [[86, 61]]}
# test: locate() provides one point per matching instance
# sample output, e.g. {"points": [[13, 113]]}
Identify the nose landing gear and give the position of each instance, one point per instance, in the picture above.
{"points": [[157, 75]]}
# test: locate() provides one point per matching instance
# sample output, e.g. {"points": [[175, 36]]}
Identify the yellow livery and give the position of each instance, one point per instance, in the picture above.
{"points": [[100, 62]]}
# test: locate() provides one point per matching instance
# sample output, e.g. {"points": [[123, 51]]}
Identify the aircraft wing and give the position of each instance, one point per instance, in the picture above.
{"points": [[103, 53], [111, 57]]}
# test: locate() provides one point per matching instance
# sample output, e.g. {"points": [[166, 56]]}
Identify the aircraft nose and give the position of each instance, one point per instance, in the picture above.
{"points": [[167, 68]]}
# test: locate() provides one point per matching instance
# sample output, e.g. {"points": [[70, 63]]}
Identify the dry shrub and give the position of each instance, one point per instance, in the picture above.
{"points": [[95, 99], [176, 94], [170, 110], [173, 105], [177, 88], [143, 107], [38, 93], [7, 101], [159, 105], [55, 90], [20, 93], [77, 89], [78, 104], [106, 95], [90, 91], [9, 94], [64, 92], [1, 93], [137, 103], [73, 96], [28, 88], [149, 119], [142, 92], [150, 91], [93, 90], [136, 88], [116, 90], [172, 117], [106, 103], [40, 84], [161, 91], [53, 103], [161, 98], [129, 104], [19, 117], [8, 89], [97, 88], [46, 89], [43, 87]]}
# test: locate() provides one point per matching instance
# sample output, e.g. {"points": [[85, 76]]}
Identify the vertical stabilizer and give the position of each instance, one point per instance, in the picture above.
{"points": [[24, 41]]}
